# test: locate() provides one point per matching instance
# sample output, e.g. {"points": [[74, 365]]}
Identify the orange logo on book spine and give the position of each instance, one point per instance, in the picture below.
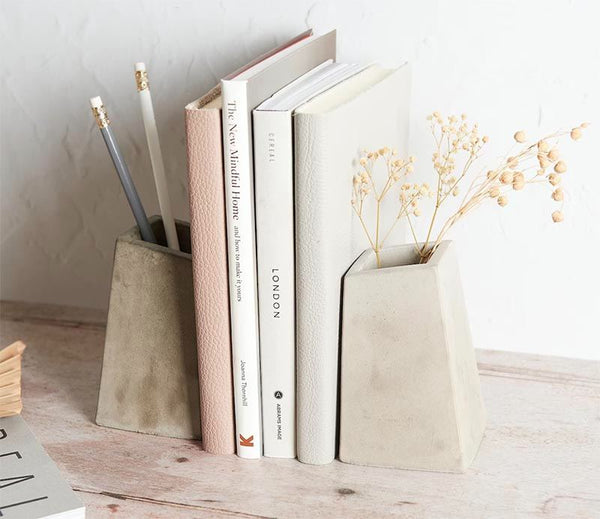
{"points": [[246, 442]]}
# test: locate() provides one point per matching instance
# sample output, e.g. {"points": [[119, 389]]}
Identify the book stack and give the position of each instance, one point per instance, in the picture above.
{"points": [[270, 157]]}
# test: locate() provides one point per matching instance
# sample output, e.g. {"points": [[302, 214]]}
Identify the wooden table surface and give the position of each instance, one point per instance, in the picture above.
{"points": [[540, 456]]}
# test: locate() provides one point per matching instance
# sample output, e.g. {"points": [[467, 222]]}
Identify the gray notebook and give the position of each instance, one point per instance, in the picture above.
{"points": [[31, 486]]}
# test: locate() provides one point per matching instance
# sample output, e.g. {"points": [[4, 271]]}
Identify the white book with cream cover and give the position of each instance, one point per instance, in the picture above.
{"points": [[274, 195], [241, 94], [370, 110]]}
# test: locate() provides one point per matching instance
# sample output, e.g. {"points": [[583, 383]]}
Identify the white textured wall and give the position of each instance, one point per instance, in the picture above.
{"points": [[530, 285]]}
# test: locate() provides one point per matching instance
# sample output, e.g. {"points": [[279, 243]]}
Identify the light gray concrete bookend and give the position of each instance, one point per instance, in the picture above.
{"points": [[150, 370], [410, 394]]}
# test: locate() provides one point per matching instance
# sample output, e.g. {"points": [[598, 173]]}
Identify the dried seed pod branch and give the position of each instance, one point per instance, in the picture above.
{"points": [[364, 185], [457, 142]]}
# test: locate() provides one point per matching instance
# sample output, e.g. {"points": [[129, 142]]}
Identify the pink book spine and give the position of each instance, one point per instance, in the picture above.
{"points": [[211, 292]]}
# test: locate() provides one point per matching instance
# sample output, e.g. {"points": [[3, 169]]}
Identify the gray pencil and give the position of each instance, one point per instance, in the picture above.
{"points": [[128, 186]]}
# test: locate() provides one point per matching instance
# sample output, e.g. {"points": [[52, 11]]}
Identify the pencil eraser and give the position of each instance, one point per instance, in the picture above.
{"points": [[140, 67], [96, 102]]}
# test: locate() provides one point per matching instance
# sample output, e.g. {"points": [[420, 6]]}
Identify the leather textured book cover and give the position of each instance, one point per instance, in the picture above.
{"points": [[369, 110], [209, 262]]}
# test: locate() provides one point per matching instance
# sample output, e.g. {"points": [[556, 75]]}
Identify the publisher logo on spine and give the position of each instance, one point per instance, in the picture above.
{"points": [[247, 442]]}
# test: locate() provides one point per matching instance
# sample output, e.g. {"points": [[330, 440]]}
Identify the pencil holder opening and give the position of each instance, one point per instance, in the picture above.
{"points": [[149, 377], [183, 234]]}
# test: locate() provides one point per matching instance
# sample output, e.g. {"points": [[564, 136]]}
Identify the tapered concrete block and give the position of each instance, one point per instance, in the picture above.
{"points": [[410, 394], [150, 371]]}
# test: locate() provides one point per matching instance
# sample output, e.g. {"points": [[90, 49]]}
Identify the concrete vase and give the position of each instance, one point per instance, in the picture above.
{"points": [[410, 394], [150, 371]]}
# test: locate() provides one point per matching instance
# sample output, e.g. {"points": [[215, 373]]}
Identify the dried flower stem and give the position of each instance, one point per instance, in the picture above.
{"points": [[364, 183], [456, 140]]}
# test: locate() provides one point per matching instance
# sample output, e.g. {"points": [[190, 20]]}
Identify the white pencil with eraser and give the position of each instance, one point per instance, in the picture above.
{"points": [[158, 167]]}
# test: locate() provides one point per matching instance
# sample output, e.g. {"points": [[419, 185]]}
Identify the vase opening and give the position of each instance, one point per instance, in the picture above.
{"points": [[399, 256], [394, 257]]}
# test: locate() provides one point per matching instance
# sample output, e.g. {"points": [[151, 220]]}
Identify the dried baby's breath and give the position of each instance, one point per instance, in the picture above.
{"points": [[520, 136], [458, 146], [576, 134], [560, 166], [557, 195]]}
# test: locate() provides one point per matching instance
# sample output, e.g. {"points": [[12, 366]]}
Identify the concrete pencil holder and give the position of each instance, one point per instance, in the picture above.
{"points": [[150, 372]]}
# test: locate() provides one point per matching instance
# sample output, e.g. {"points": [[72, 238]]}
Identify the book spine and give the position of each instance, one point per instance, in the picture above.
{"points": [[209, 267], [320, 226], [329, 237], [243, 297], [274, 195]]}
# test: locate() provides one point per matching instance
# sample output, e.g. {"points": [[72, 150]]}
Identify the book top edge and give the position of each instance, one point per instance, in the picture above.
{"points": [[347, 90], [309, 85], [263, 63], [269, 56], [212, 97]]}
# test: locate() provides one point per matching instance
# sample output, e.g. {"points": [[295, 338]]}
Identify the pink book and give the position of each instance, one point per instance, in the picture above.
{"points": [[209, 261]]}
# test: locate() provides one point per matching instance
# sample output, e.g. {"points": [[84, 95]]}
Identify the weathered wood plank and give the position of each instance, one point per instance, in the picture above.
{"points": [[538, 367], [119, 505], [52, 314], [540, 456]]}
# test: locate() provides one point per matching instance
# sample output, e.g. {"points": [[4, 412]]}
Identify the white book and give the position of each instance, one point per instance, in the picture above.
{"points": [[241, 94], [274, 195], [31, 486], [369, 110]]}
